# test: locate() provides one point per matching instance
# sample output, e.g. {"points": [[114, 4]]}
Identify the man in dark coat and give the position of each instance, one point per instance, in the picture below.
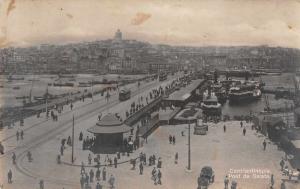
{"points": [[173, 139], [104, 174], [244, 131], [115, 162], [264, 144], [91, 175], [98, 186], [98, 172], [82, 181], [141, 168], [9, 176], [159, 177]]}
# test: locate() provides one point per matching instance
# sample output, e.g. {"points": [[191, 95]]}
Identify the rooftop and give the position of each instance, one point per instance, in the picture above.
{"points": [[185, 92], [109, 124]]}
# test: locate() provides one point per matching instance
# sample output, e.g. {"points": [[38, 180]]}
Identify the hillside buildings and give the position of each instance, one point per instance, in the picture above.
{"points": [[120, 55]]}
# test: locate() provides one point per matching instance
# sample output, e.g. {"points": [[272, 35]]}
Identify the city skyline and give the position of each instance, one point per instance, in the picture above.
{"points": [[182, 23]]}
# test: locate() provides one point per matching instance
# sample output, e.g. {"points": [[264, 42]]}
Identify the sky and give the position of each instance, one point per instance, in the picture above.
{"points": [[174, 22]]}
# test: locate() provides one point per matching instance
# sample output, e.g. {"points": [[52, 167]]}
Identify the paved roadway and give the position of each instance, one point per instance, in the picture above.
{"points": [[40, 132]]}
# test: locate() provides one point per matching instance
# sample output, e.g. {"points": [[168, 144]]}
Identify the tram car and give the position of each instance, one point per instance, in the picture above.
{"points": [[163, 76], [124, 94]]}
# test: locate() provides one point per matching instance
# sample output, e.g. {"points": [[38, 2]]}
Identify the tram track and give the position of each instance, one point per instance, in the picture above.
{"points": [[44, 121], [62, 127]]}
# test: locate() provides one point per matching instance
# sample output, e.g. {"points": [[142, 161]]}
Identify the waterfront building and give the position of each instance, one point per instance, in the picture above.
{"points": [[109, 134]]}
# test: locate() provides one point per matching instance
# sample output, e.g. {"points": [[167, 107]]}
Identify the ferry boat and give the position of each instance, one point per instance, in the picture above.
{"points": [[220, 93], [244, 93], [210, 104]]}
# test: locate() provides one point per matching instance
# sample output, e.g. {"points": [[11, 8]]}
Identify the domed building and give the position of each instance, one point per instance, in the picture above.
{"points": [[109, 134], [118, 36]]}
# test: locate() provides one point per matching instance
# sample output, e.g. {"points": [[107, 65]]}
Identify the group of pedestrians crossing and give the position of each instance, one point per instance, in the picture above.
{"points": [[20, 135], [87, 178], [172, 139]]}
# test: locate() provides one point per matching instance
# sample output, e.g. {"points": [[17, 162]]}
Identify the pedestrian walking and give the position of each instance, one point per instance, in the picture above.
{"points": [[17, 135], [87, 179], [244, 131], [9, 177], [22, 134], [90, 159], [159, 163], [98, 172], [116, 162], [153, 160], [58, 159], [1, 148], [224, 128], [98, 186], [145, 159], [104, 174], [29, 156], [80, 136], [272, 181], [241, 123], [264, 144], [62, 150], [170, 139], [71, 106], [282, 186], [14, 158], [91, 175], [41, 184], [176, 158], [141, 168], [173, 139], [82, 171], [111, 181], [82, 181], [282, 163], [226, 182], [154, 174], [159, 175], [69, 141], [182, 133], [233, 185], [133, 162]]}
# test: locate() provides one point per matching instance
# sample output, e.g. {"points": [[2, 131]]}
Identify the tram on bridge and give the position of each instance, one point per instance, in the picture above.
{"points": [[124, 94], [163, 76]]}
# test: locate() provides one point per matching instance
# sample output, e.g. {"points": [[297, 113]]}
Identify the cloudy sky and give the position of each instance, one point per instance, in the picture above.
{"points": [[175, 22]]}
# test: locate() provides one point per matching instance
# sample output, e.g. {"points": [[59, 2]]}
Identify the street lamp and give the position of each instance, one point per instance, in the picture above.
{"points": [[189, 147], [189, 119]]}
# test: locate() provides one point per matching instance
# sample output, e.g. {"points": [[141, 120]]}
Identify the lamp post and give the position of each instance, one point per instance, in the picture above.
{"points": [[92, 90], [189, 119], [72, 156], [189, 147]]}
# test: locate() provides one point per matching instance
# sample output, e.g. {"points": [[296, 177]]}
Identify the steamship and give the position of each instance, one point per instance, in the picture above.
{"points": [[210, 104], [246, 92]]}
